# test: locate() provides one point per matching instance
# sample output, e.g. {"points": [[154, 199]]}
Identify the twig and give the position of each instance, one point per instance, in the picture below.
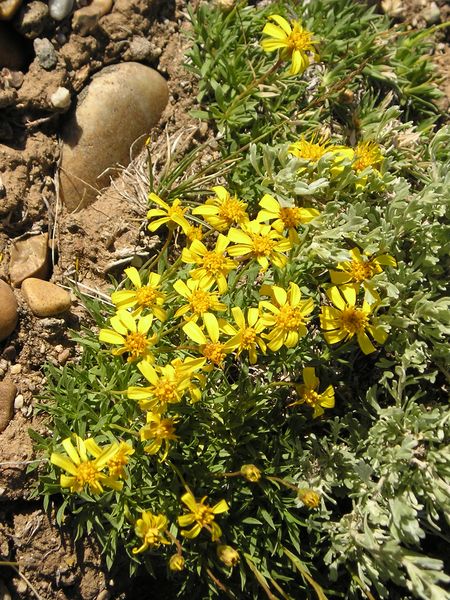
{"points": [[28, 582]]}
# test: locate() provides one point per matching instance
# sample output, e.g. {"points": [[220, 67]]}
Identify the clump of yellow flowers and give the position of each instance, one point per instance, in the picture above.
{"points": [[227, 297]]}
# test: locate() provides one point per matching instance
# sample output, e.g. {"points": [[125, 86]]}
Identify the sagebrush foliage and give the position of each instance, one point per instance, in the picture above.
{"points": [[356, 501]]}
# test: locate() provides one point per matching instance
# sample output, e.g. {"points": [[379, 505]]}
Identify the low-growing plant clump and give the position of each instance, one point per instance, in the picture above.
{"points": [[261, 409]]}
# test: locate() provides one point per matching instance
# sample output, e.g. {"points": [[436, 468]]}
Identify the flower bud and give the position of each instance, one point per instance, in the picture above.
{"points": [[251, 473], [176, 562], [310, 498], [228, 555]]}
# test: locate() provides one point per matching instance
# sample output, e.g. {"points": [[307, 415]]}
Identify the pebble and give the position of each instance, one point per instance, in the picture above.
{"points": [[59, 9], [140, 49], [8, 9], [8, 313], [18, 402], [45, 53], [61, 98], [8, 392], [63, 356], [85, 19], [15, 369], [95, 137], [32, 19], [9, 353], [432, 14], [45, 299], [29, 258]]}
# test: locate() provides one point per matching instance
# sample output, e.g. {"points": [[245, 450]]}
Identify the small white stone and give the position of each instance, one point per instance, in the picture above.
{"points": [[18, 402], [15, 369], [61, 98], [59, 9]]}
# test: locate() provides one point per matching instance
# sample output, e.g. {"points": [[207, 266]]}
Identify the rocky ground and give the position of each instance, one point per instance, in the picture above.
{"points": [[52, 61]]}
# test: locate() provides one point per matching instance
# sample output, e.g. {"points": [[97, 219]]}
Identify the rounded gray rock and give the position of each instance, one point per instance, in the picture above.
{"points": [[121, 104], [45, 299], [45, 53], [8, 392], [8, 311]]}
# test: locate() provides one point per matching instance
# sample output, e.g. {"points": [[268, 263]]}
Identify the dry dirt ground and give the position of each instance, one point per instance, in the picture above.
{"points": [[89, 246]]}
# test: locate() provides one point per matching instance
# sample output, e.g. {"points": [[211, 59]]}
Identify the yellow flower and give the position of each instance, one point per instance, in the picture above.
{"points": [[170, 214], [202, 515], [192, 364], [143, 296], [200, 299], [213, 265], [287, 218], [312, 150], [84, 472], [310, 498], [150, 529], [295, 42], [176, 562], [210, 346], [288, 315], [195, 232], [223, 210], [260, 242], [345, 319], [228, 555], [168, 384], [130, 334], [367, 154], [247, 336], [120, 459], [251, 473], [160, 431], [307, 392], [360, 268]]}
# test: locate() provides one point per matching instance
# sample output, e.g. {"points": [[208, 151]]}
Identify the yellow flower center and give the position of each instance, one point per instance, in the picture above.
{"points": [[203, 515], [353, 320], [262, 244], [152, 537], [213, 263], [136, 344], [310, 498], [311, 397], [308, 150], [248, 338], [176, 210], [165, 391], [164, 430], [360, 271], [200, 301], [289, 318], [367, 154], [116, 465], [299, 39], [147, 295], [194, 233], [87, 473], [290, 217], [214, 352], [232, 211]]}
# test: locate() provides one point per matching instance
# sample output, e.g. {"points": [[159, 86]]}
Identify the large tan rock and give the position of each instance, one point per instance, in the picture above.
{"points": [[45, 299], [8, 311], [121, 104], [7, 394], [29, 258]]}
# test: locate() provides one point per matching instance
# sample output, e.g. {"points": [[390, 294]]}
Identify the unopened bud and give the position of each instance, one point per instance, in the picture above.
{"points": [[251, 473], [310, 498], [228, 555], [176, 562]]}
